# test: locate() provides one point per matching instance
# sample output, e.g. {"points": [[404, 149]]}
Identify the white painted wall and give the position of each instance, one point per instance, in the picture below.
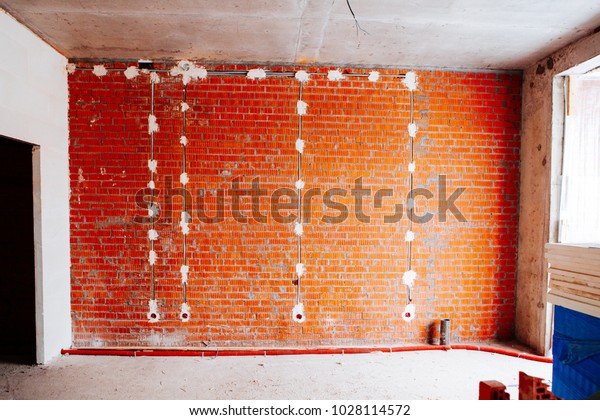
{"points": [[33, 108]]}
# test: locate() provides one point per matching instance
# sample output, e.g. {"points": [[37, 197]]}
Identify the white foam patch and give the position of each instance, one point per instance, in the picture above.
{"points": [[153, 315], [410, 236], [412, 129], [152, 165], [153, 306], [410, 80], [184, 270], [185, 227], [152, 257], [100, 70], [71, 67], [183, 140], [411, 167], [373, 76], [154, 77], [301, 106], [298, 313], [184, 223], [188, 71], [409, 312], [300, 145], [184, 178], [151, 185], [409, 277], [184, 106], [198, 73], [152, 235], [131, 72], [335, 75], [152, 124], [300, 270], [185, 315], [298, 229], [302, 76], [299, 184], [256, 74], [153, 210]]}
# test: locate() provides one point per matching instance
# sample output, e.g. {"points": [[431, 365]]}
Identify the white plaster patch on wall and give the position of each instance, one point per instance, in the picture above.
{"points": [[184, 270], [300, 269], [412, 129], [334, 75], [100, 70], [154, 77], [256, 74], [410, 80], [152, 124], [409, 277], [298, 313], [409, 312], [152, 257], [131, 72], [302, 76], [189, 71], [374, 76], [184, 178], [301, 107]]}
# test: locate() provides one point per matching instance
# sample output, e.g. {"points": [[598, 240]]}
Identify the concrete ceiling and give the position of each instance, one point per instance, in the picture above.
{"points": [[475, 34]]}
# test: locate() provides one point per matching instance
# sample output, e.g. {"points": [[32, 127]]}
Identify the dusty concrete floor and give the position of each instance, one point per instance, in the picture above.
{"points": [[453, 374]]}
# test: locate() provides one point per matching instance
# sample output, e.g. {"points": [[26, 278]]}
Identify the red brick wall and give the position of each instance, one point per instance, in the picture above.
{"points": [[240, 288]]}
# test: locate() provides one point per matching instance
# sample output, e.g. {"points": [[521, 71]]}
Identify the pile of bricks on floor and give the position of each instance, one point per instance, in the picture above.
{"points": [[530, 388]]}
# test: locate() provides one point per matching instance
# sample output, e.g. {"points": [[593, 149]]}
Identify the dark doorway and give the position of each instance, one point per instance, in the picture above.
{"points": [[17, 258]]}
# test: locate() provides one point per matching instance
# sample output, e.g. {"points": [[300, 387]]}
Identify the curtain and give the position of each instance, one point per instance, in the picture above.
{"points": [[580, 192]]}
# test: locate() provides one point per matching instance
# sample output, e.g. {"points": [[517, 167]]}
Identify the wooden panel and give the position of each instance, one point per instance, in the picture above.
{"points": [[574, 277]]}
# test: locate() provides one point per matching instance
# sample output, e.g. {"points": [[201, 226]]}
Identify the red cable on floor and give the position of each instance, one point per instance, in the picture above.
{"points": [[135, 352]]}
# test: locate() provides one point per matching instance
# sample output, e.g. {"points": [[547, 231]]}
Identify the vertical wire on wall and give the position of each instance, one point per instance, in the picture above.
{"points": [[188, 71], [298, 311], [411, 199], [409, 276], [185, 217], [153, 314]]}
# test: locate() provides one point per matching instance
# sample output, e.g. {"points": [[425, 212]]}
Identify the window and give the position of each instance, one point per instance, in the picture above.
{"points": [[580, 185]]}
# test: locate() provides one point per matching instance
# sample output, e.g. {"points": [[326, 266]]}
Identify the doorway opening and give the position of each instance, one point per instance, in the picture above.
{"points": [[17, 255]]}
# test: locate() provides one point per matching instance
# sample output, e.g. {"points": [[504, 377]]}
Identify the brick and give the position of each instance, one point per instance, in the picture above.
{"points": [[493, 390], [532, 388], [240, 287]]}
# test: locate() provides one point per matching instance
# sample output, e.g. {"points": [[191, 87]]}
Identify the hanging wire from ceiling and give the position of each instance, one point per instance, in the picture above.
{"points": [[357, 25]]}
